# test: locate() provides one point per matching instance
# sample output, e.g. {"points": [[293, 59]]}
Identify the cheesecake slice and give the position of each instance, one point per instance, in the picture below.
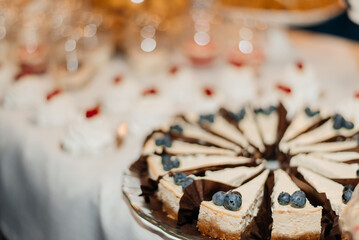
{"points": [[338, 156], [157, 169], [181, 147], [333, 190], [218, 222], [170, 193], [322, 133], [290, 222], [302, 121], [326, 168], [267, 121], [196, 132], [325, 147], [222, 127]]}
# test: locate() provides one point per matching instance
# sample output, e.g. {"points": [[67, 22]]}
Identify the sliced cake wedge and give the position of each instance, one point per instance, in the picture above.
{"points": [[170, 188], [219, 222], [298, 221]]}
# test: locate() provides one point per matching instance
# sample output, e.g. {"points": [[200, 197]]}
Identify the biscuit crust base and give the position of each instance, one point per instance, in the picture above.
{"points": [[307, 236], [213, 231]]}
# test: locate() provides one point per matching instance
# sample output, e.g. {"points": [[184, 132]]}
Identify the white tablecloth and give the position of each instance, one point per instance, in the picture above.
{"points": [[48, 194]]}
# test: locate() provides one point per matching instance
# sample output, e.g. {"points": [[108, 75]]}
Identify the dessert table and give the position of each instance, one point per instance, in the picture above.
{"points": [[47, 193]]}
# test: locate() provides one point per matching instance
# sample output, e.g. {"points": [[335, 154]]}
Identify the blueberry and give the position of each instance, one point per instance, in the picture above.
{"points": [[218, 198], [358, 173], [179, 178], [298, 199], [187, 182], [232, 201], [241, 114], [284, 198], [258, 110], [176, 128], [272, 108], [166, 162], [348, 125], [347, 195], [175, 163], [167, 141], [159, 142], [310, 113], [339, 121], [208, 118], [348, 188]]}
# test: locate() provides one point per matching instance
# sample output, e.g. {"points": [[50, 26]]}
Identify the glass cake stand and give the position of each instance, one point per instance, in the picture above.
{"points": [[131, 190]]}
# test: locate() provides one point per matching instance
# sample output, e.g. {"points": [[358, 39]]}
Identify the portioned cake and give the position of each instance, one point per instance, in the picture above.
{"points": [[209, 172]]}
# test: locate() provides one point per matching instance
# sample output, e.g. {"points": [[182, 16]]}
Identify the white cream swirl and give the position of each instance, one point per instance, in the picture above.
{"points": [[58, 111], [120, 98], [27, 93], [89, 136]]}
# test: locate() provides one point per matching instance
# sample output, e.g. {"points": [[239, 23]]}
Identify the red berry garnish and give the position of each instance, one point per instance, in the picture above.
{"points": [[299, 65], [208, 91], [173, 70], [284, 88], [117, 79], [236, 63], [93, 112], [150, 91], [53, 94], [356, 95]]}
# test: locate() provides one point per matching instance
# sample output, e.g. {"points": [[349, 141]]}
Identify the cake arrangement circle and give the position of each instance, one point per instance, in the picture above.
{"points": [[252, 173]]}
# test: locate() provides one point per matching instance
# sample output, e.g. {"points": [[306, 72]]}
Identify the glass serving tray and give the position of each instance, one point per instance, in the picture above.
{"points": [[131, 190]]}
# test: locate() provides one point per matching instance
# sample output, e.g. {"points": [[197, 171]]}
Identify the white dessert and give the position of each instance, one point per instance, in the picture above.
{"points": [[218, 222], [289, 222], [180, 147], [239, 84], [338, 156], [58, 111], [223, 128], [189, 162], [322, 133], [196, 132], [27, 93], [333, 190], [324, 147], [119, 98], [89, 136], [170, 193], [268, 126], [249, 128], [326, 168]]}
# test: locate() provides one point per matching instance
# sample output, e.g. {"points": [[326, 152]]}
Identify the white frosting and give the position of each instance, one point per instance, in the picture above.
{"points": [[7, 71], [193, 131], [119, 98], [326, 168], [26, 93], [239, 84], [58, 111], [338, 156], [289, 221], [332, 190], [322, 133], [235, 222], [324, 147], [250, 130], [170, 193], [188, 162], [89, 136], [268, 126]]}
